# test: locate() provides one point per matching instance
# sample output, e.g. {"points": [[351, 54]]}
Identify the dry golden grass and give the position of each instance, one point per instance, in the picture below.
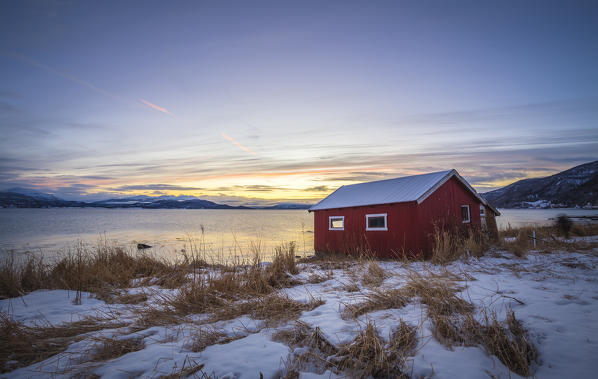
{"points": [[377, 300], [374, 275], [330, 260], [104, 266], [209, 336], [315, 348], [29, 344], [156, 315], [317, 278], [452, 322], [351, 287], [111, 296], [510, 343], [109, 348], [303, 335], [135, 298], [450, 245], [273, 309], [18, 278], [204, 293], [284, 258], [438, 292], [196, 297], [403, 341], [367, 356], [189, 369], [548, 238]]}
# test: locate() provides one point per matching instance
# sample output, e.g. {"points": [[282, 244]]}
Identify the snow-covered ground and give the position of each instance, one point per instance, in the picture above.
{"points": [[554, 295]]}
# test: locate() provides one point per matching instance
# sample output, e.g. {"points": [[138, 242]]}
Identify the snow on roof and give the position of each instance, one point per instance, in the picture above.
{"points": [[398, 190]]}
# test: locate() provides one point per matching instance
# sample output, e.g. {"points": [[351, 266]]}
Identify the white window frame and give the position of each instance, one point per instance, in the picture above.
{"points": [[468, 214], [482, 211], [335, 217], [367, 221]]}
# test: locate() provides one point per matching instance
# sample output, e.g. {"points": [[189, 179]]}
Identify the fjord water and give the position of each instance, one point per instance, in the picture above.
{"points": [[168, 231], [223, 232]]}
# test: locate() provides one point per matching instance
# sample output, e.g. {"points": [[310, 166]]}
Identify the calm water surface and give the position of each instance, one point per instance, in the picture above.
{"points": [[220, 232]]}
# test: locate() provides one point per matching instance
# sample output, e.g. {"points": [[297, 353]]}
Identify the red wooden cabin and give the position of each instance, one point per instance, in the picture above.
{"points": [[398, 216]]}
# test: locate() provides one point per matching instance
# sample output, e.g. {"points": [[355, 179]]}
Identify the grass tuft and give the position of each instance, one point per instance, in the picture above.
{"points": [[23, 345], [109, 348], [377, 300], [450, 245], [374, 275], [367, 356]]}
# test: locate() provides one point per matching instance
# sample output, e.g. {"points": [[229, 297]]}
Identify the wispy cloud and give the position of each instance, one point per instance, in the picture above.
{"points": [[49, 69], [156, 107], [238, 144], [76, 80]]}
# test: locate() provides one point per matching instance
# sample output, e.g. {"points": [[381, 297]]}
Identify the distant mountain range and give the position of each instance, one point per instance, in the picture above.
{"points": [[577, 186], [28, 198], [574, 187]]}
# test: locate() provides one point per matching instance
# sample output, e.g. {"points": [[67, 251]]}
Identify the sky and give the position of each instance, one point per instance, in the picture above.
{"points": [[252, 102]]}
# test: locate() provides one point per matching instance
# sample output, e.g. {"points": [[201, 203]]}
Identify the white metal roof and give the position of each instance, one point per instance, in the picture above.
{"points": [[398, 190]]}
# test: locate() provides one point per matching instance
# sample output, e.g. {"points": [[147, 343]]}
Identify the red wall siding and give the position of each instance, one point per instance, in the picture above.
{"points": [[443, 209], [410, 226], [401, 236]]}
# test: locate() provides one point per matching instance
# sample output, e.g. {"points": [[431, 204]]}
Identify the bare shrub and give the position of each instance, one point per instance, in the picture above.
{"points": [[563, 223]]}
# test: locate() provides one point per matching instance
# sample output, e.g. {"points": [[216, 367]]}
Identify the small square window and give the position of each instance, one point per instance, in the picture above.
{"points": [[376, 222], [465, 216], [336, 223], [482, 211]]}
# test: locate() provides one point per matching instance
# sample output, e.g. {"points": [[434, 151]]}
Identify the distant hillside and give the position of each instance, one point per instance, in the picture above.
{"points": [[18, 200], [25, 198], [577, 186], [288, 206]]}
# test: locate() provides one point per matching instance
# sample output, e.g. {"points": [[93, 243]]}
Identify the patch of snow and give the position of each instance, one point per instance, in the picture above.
{"points": [[53, 306]]}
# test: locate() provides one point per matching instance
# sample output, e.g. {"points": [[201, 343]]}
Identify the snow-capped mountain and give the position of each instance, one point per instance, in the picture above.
{"points": [[577, 186], [33, 193]]}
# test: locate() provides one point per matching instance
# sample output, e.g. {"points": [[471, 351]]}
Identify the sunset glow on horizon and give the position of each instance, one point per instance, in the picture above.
{"points": [[256, 103]]}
